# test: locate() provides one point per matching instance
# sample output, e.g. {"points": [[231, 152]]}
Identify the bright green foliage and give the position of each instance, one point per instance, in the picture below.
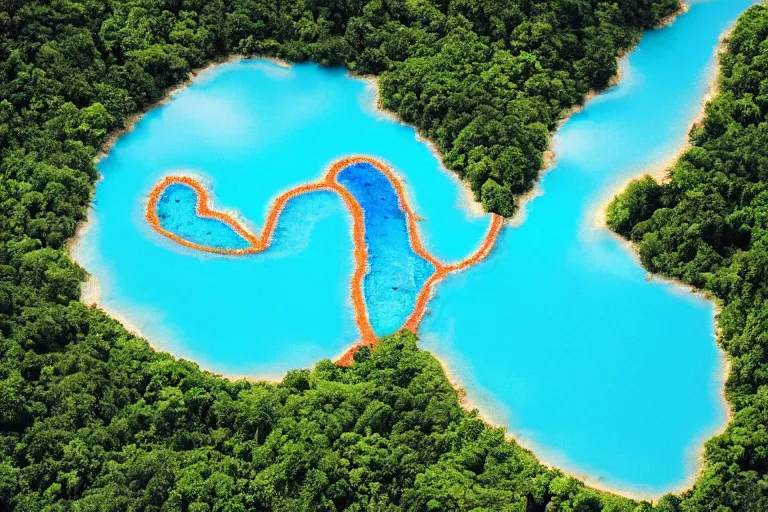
{"points": [[708, 226], [91, 419], [485, 80]]}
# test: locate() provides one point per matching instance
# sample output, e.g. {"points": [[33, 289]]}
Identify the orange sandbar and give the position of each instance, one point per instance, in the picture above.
{"points": [[261, 242]]}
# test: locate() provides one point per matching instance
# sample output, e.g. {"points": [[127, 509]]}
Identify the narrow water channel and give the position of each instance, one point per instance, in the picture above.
{"points": [[560, 335]]}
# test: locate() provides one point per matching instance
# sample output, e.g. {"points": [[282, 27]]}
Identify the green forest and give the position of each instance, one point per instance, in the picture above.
{"points": [[91, 418]]}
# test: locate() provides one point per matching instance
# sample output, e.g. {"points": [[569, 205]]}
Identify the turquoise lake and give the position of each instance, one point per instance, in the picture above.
{"points": [[558, 335], [176, 213]]}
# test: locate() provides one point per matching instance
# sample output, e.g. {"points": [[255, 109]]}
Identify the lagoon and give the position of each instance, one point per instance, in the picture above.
{"points": [[558, 334], [249, 131]]}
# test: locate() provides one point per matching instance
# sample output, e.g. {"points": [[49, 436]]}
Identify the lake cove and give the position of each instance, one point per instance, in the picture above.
{"points": [[247, 133], [544, 334], [559, 334]]}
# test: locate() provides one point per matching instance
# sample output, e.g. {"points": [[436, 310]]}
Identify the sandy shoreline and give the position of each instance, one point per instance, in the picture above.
{"points": [[670, 18], [542, 456], [91, 288], [658, 172], [131, 121], [695, 460], [549, 156]]}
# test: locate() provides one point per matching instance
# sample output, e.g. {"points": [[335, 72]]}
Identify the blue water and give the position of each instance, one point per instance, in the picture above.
{"points": [[395, 273], [559, 334], [252, 130], [176, 212]]}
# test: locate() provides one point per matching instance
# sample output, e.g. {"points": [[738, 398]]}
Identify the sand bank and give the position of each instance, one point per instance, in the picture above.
{"points": [[494, 416], [131, 121], [91, 289], [660, 170], [669, 19], [193, 75], [549, 157]]}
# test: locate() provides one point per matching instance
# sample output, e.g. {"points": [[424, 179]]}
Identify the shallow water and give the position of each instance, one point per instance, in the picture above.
{"points": [[249, 131], [176, 213], [559, 333]]}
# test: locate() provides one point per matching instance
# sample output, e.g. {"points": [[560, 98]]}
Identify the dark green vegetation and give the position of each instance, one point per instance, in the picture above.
{"points": [[708, 226], [486, 80], [489, 83], [111, 425], [92, 419]]}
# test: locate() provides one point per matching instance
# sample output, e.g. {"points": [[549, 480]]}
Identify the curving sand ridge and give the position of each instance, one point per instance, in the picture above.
{"points": [[261, 242]]}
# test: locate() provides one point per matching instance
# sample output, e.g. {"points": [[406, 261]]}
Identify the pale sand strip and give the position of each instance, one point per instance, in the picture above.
{"points": [[550, 158], [468, 202], [91, 288], [192, 76], [669, 19], [494, 416], [660, 173], [660, 170]]}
